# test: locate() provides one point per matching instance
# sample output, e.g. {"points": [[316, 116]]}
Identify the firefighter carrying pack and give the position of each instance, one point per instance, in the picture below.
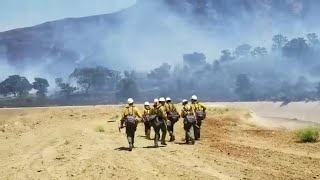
{"points": [[199, 113], [172, 114], [190, 119], [155, 119], [131, 120], [146, 117]]}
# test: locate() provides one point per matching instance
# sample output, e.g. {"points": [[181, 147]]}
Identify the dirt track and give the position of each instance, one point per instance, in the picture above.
{"points": [[63, 143]]}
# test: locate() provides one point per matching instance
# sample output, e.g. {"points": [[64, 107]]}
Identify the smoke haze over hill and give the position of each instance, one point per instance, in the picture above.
{"points": [[152, 32]]}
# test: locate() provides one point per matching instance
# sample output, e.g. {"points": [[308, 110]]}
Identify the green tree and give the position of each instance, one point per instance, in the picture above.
{"points": [[4, 90], [41, 85], [216, 66], [259, 52], [95, 78], [127, 86], [226, 56], [313, 40], [286, 91], [130, 75], [15, 85], [300, 88], [296, 48], [279, 41], [244, 88], [161, 73], [195, 59], [242, 50], [66, 89]]}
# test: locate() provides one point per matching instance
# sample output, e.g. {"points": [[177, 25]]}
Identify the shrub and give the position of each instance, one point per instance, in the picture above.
{"points": [[100, 129], [67, 142], [310, 134]]}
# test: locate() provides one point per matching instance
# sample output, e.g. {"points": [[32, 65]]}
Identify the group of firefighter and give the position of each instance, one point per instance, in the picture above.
{"points": [[162, 116]]}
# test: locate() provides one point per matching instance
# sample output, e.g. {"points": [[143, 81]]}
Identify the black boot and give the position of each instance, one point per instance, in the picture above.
{"points": [[156, 139], [171, 139], [163, 143], [193, 141], [196, 134], [148, 135]]}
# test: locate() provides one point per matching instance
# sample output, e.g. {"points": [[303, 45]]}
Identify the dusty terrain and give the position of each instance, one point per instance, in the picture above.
{"points": [[65, 143], [303, 111]]}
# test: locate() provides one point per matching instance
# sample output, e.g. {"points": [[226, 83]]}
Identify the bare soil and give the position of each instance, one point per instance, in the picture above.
{"points": [[84, 143]]}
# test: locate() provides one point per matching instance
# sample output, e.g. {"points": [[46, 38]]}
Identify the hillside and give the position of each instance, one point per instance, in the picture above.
{"points": [[167, 25]]}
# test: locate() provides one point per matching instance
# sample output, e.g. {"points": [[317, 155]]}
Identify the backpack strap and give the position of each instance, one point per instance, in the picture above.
{"points": [[171, 107], [147, 112], [132, 113], [196, 107], [158, 112]]}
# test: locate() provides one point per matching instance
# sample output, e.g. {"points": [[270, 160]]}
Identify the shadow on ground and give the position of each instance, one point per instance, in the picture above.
{"points": [[122, 149], [183, 143], [111, 121], [153, 147]]}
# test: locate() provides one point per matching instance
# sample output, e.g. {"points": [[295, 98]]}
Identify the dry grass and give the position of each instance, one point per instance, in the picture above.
{"points": [[100, 128], [66, 142]]}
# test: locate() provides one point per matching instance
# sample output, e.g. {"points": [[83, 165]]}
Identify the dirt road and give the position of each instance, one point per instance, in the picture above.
{"points": [[66, 143]]}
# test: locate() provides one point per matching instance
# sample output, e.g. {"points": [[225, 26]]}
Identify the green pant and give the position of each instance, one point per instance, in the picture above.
{"points": [[163, 128], [171, 129], [130, 131], [197, 130], [147, 129], [189, 131]]}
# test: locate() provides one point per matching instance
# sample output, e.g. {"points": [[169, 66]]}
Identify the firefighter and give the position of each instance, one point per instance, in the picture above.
{"points": [[163, 119], [172, 116], [199, 110], [189, 122], [156, 120], [146, 115], [129, 118]]}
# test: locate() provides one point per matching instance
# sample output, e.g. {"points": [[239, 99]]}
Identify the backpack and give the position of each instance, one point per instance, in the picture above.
{"points": [[131, 119], [155, 120], [146, 117], [199, 113], [149, 118], [172, 115], [190, 119]]}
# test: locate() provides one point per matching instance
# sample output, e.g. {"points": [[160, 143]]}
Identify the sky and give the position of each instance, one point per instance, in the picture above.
{"points": [[24, 13]]}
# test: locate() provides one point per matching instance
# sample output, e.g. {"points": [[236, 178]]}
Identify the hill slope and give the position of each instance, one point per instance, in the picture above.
{"points": [[162, 30]]}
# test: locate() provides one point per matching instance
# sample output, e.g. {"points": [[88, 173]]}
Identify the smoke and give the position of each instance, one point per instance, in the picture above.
{"points": [[152, 32]]}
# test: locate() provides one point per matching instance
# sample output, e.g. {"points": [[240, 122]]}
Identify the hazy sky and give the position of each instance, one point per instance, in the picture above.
{"points": [[22, 13]]}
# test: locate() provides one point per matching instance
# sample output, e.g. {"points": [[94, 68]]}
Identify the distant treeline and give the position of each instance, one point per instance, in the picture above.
{"points": [[287, 71]]}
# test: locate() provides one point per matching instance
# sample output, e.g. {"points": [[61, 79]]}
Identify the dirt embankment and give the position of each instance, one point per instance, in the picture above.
{"points": [[302, 111], [65, 143]]}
